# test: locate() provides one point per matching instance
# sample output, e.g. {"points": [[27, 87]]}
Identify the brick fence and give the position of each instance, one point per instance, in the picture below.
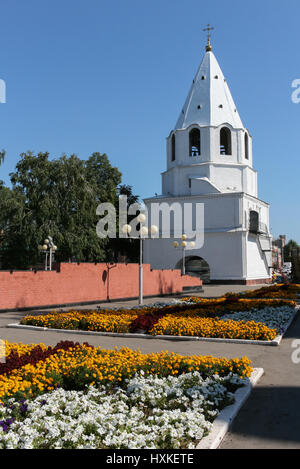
{"points": [[86, 283]]}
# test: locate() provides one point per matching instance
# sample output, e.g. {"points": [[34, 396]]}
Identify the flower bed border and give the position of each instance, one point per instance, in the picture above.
{"points": [[275, 342], [223, 422]]}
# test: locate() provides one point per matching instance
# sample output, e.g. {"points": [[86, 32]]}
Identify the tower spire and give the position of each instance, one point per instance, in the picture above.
{"points": [[208, 30], [209, 101]]}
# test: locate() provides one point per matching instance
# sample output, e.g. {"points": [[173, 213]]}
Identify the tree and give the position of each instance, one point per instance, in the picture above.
{"points": [[128, 248], [58, 198], [288, 248]]}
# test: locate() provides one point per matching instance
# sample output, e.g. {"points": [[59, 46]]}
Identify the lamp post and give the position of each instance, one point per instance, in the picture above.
{"points": [[184, 245], [126, 229], [48, 249], [143, 232]]}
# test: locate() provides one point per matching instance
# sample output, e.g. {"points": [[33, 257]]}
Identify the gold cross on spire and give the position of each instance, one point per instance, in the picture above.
{"points": [[208, 29]]}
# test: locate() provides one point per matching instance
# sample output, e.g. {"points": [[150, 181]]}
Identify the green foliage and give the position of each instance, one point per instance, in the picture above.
{"points": [[288, 250], [57, 198], [128, 248]]}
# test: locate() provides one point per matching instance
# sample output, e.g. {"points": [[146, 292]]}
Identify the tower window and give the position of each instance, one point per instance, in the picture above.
{"points": [[195, 142], [173, 144], [254, 221], [246, 146], [225, 141]]}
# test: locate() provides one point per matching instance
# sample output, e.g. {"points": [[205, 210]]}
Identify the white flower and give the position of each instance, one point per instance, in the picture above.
{"points": [[145, 415]]}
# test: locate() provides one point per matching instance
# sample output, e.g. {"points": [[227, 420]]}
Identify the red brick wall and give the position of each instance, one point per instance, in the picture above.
{"points": [[76, 283]]}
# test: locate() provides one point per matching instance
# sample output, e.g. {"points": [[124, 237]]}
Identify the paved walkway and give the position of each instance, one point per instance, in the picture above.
{"points": [[271, 416]]}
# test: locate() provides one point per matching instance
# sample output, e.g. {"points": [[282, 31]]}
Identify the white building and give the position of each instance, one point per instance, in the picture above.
{"points": [[209, 162]]}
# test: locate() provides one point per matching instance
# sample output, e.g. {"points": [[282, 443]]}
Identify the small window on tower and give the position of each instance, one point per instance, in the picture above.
{"points": [[195, 142], [173, 144], [225, 141], [246, 146], [254, 221]]}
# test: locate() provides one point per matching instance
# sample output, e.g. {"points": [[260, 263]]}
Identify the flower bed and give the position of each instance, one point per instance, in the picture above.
{"points": [[110, 321], [73, 365], [214, 328], [226, 318], [190, 307], [19, 355], [125, 320], [149, 413], [255, 324], [86, 397], [291, 291], [273, 318]]}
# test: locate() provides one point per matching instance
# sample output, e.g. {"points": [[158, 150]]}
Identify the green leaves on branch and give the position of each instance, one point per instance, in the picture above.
{"points": [[57, 198]]}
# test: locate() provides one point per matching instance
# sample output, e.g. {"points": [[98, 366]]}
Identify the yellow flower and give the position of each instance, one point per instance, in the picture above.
{"points": [[108, 366]]}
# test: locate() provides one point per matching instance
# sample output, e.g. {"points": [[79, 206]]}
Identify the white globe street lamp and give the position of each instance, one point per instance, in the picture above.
{"points": [[154, 230], [48, 243], [141, 218], [144, 231], [184, 245], [126, 229]]}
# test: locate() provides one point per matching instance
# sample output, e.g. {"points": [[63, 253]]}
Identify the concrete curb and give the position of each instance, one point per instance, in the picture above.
{"points": [[79, 332], [226, 417], [273, 343], [280, 337]]}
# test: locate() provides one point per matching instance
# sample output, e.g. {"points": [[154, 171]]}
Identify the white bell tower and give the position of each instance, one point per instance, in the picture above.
{"points": [[209, 148], [209, 161]]}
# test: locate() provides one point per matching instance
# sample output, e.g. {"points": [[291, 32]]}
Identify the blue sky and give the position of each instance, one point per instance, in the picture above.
{"points": [[85, 76]]}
